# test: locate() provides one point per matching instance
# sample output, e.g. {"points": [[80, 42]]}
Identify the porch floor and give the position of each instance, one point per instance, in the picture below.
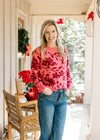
{"points": [[76, 127]]}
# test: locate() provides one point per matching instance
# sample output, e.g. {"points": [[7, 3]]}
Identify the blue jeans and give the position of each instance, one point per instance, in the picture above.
{"points": [[52, 114]]}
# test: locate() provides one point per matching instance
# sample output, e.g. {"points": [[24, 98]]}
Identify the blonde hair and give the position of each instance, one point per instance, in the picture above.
{"points": [[60, 47]]}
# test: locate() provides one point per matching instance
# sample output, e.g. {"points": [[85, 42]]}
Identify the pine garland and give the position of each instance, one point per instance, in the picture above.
{"points": [[22, 40]]}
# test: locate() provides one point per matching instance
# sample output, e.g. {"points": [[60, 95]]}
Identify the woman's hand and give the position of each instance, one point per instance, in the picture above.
{"points": [[67, 92], [47, 91]]}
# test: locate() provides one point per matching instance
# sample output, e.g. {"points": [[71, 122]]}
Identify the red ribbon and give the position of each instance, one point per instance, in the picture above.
{"points": [[28, 47], [32, 94], [60, 21], [91, 15]]}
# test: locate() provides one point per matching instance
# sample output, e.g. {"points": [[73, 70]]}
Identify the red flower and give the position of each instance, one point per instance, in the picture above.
{"points": [[91, 15], [25, 76], [60, 21]]}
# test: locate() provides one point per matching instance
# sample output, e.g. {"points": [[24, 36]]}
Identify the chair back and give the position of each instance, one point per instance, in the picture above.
{"points": [[13, 108], [20, 85]]}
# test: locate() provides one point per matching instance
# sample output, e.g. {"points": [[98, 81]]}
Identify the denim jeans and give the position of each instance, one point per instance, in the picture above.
{"points": [[52, 114]]}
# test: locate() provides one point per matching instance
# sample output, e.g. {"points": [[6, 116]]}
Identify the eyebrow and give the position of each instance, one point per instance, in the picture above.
{"points": [[52, 30]]}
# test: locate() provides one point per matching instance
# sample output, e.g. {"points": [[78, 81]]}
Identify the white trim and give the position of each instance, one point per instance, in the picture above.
{"points": [[23, 15], [94, 139], [21, 12]]}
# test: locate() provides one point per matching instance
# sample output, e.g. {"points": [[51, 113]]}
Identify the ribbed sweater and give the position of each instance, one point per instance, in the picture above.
{"points": [[50, 71]]}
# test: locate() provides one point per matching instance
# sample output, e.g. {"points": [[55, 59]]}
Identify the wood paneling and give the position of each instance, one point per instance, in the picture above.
{"points": [[1, 62], [8, 50], [13, 51], [7, 45]]}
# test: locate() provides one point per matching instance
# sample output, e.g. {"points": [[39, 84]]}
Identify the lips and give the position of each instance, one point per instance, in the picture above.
{"points": [[51, 38]]}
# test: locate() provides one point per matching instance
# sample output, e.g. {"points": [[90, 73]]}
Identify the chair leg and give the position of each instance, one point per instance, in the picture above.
{"points": [[25, 137], [26, 113], [9, 132], [21, 135], [36, 135]]}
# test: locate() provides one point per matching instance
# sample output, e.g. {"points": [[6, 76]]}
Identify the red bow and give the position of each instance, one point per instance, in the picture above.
{"points": [[32, 94], [91, 15], [28, 47], [60, 21]]}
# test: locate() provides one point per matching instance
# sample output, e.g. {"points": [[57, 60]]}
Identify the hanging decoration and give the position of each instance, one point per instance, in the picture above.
{"points": [[20, 23], [60, 21], [91, 15], [89, 24], [23, 42], [27, 53]]}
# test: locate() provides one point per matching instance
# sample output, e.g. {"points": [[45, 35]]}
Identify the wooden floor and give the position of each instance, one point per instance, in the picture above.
{"points": [[77, 121]]}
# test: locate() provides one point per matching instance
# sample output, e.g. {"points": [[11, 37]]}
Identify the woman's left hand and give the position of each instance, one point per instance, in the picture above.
{"points": [[67, 92]]}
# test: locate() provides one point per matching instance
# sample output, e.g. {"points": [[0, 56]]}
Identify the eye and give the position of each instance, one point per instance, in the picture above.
{"points": [[53, 31], [46, 32]]}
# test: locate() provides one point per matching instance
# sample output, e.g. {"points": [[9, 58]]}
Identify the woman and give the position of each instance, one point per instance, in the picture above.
{"points": [[51, 75]]}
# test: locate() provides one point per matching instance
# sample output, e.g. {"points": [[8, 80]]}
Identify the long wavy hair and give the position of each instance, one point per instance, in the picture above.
{"points": [[59, 46]]}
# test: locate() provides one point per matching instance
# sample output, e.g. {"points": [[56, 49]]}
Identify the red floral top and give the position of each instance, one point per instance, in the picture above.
{"points": [[50, 71]]}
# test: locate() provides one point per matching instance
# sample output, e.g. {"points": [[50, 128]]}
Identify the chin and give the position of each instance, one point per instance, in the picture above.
{"points": [[53, 41]]}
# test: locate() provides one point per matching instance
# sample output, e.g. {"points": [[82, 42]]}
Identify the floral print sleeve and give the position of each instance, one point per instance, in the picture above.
{"points": [[35, 69], [69, 82]]}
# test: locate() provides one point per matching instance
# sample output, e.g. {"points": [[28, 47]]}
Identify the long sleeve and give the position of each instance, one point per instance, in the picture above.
{"points": [[35, 70], [69, 82]]}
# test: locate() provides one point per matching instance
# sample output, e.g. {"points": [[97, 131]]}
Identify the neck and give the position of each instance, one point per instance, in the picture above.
{"points": [[51, 45]]}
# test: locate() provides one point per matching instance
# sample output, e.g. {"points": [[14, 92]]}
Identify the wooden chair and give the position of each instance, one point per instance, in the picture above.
{"points": [[16, 120], [20, 86]]}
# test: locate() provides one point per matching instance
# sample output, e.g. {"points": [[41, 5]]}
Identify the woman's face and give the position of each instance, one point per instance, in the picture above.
{"points": [[50, 34]]}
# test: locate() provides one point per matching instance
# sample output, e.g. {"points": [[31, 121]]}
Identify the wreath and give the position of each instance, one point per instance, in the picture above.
{"points": [[23, 39]]}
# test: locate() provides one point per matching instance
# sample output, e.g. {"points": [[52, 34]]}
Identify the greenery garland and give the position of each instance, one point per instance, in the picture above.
{"points": [[22, 40]]}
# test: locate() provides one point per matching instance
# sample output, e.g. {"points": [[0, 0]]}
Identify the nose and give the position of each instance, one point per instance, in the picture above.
{"points": [[50, 34]]}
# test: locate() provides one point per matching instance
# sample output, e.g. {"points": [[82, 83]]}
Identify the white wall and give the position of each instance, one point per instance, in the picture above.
{"points": [[7, 53], [88, 55], [1, 62], [8, 49], [95, 102], [88, 69]]}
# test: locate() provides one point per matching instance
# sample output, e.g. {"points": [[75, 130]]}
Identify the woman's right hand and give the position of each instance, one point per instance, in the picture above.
{"points": [[47, 91]]}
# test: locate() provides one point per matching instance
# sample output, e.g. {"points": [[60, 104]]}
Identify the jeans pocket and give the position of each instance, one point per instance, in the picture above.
{"points": [[65, 92], [40, 95]]}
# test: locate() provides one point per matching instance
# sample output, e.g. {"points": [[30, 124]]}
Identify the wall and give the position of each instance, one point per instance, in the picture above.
{"points": [[8, 49], [88, 69], [95, 80], [1, 63], [95, 102], [88, 55]]}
